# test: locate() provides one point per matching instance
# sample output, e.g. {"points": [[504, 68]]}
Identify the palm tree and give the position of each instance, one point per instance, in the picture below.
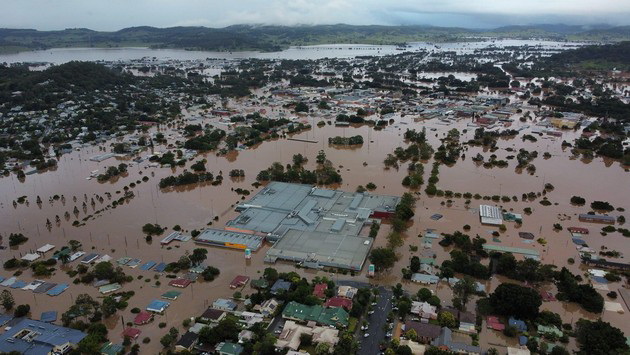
{"points": [[64, 258]]}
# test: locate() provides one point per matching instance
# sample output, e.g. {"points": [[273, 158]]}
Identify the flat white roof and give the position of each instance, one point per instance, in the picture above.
{"points": [[46, 248], [490, 214], [31, 257]]}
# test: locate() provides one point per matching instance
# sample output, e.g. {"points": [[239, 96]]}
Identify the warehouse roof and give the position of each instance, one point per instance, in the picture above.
{"points": [[326, 249], [221, 237]]}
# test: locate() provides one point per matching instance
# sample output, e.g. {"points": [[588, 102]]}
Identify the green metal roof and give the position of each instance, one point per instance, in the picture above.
{"points": [[318, 314], [171, 295], [513, 250]]}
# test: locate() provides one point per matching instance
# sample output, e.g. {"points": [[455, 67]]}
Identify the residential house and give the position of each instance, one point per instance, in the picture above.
{"points": [[549, 330], [319, 290], [339, 302], [347, 291], [251, 318], [112, 349], [186, 342], [280, 286], [292, 332], [224, 305], [424, 310], [143, 317], [212, 315], [446, 340], [131, 333], [494, 323], [260, 284], [467, 322], [239, 281], [424, 279], [158, 306], [425, 332], [518, 324], [268, 308], [426, 269], [228, 348]]}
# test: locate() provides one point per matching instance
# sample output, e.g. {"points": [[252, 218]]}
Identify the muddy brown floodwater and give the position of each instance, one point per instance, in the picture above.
{"points": [[117, 231]]}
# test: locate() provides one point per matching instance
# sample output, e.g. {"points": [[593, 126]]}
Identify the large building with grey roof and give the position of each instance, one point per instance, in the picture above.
{"points": [[312, 226]]}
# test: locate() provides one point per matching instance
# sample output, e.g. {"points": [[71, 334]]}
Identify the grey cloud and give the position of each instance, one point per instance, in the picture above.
{"points": [[116, 14]]}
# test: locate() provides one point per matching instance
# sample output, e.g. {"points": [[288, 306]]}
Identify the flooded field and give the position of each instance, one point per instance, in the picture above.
{"points": [[63, 55], [117, 231]]}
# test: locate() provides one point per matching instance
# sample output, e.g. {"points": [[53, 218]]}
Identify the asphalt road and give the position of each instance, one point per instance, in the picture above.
{"points": [[275, 325], [370, 345]]}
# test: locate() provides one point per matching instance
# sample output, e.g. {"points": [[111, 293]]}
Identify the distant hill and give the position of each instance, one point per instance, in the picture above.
{"points": [[604, 57], [273, 38]]}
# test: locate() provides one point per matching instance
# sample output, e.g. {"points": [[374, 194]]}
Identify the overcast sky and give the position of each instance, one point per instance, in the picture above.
{"points": [[116, 14]]}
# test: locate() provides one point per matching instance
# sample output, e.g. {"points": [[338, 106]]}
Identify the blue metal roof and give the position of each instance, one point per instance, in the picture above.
{"points": [[48, 317], [45, 337]]}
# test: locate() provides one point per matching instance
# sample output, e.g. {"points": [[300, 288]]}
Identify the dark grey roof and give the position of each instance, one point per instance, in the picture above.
{"points": [[425, 330], [280, 285], [187, 340], [446, 339]]}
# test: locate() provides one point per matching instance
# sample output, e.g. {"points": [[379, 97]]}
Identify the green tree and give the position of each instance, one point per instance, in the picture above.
{"points": [[414, 266], [321, 157], [270, 274], [411, 334], [599, 338], [447, 319], [152, 229], [514, 300], [109, 306], [424, 294], [464, 288], [322, 349], [22, 310], [383, 258], [64, 258], [301, 107], [198, 256], [167, 340], [6, 298], [74, 245]]}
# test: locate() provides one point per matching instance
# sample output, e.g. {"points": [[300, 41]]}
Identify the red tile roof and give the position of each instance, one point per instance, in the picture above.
{"points": [[320, 290], [339, 302], [239, 281], [142, 318], [495, 323], [180, 283], [133, 333]]}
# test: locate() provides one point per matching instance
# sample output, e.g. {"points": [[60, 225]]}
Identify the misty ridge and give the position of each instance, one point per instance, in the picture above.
{"points": [[271, 38]]}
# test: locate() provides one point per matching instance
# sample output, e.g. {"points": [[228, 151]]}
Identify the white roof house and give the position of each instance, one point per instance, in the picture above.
{"points": [[31, 257], [424, 310], [46, 248], [490, 215]]}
